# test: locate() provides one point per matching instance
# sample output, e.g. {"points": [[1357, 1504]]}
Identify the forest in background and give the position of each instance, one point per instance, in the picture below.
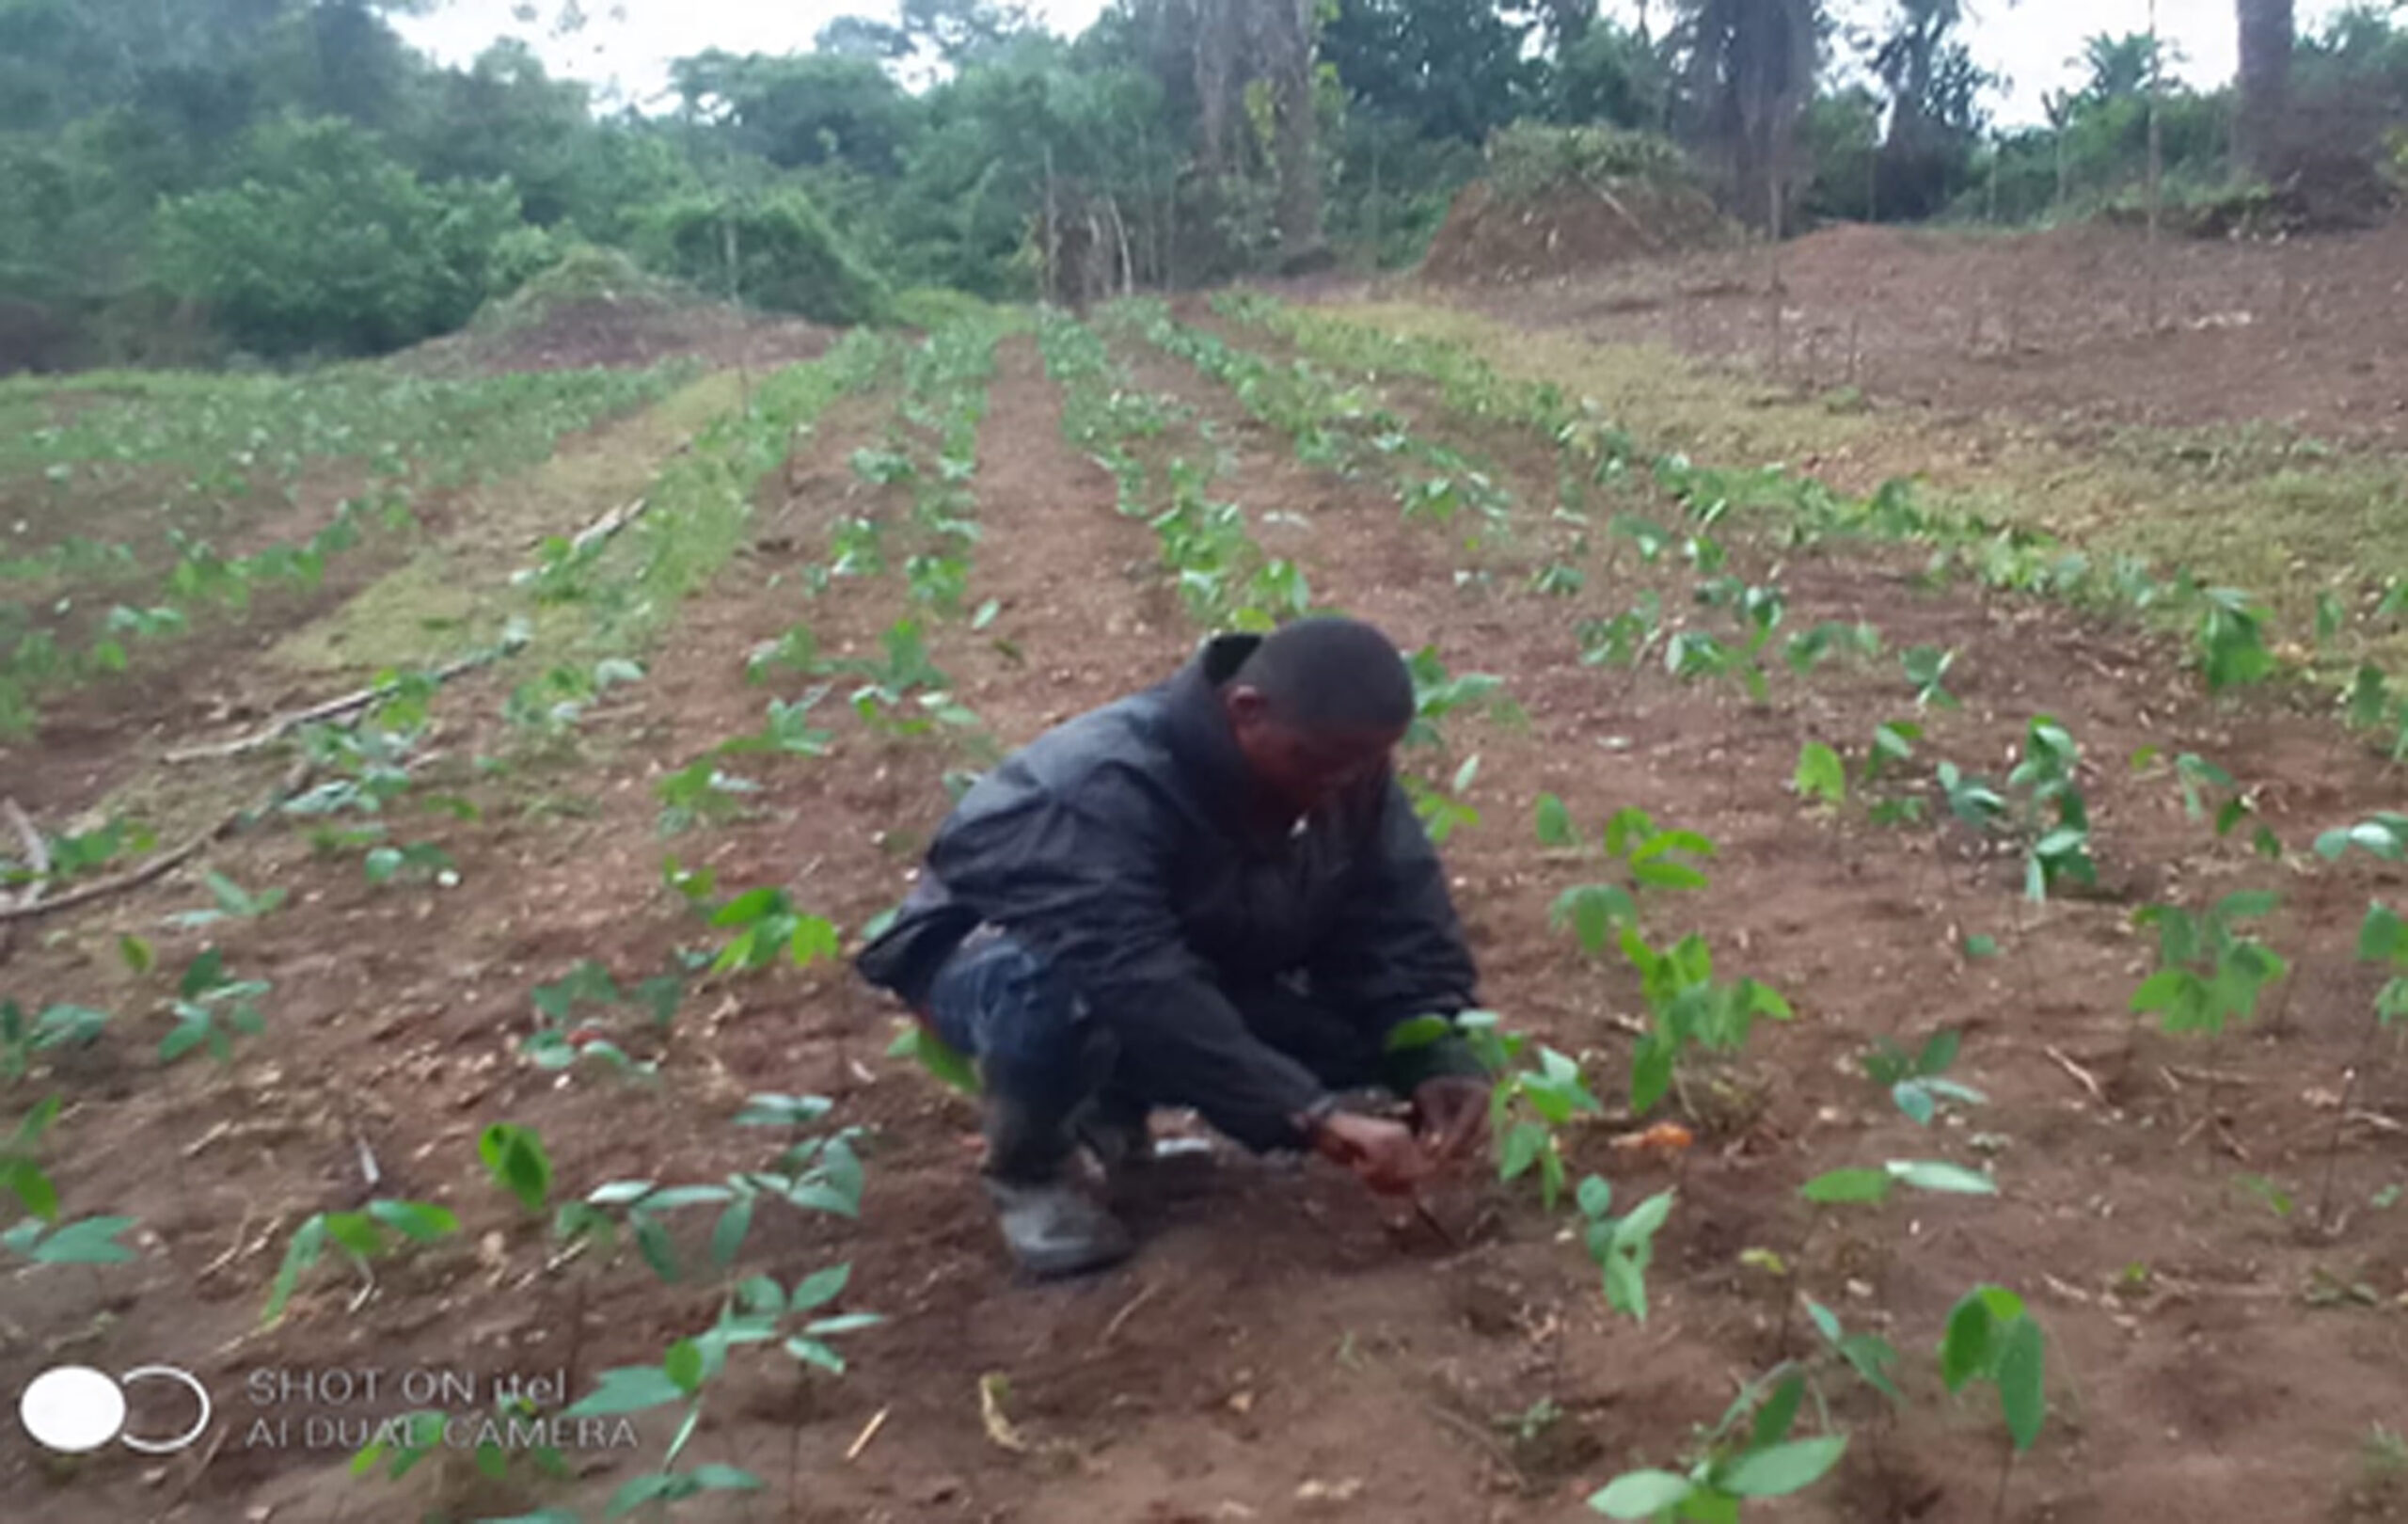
{"points": [[281, 181]]}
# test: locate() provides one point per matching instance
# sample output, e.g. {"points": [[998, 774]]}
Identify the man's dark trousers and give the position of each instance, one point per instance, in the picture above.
{"points": [[1048, 1060]]}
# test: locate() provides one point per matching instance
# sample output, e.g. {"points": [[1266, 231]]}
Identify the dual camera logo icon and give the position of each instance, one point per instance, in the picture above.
{"points": [[73, 1409]]}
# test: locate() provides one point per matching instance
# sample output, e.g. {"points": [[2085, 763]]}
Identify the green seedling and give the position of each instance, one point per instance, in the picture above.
{"points": [[1442, 811], [1870, 1355], [1622, 1246], [2047, 772], [795, 651], [1528, 1103], [1647, 857], [1915, 1082], [1991, 1336], [1807, 650], [422, 861], [401, 1444], [1438, 695], [2383, 941], [1821, 776], [42, 1238], [1690, 1009], [2207, 976], [2232, 639], [767, 925], [361, 1235], [234, 902], [1927, 669], [208, 1005], [1749, 1454], [702, 793], [1624, 640], [57, 1026], [1893, 743]]}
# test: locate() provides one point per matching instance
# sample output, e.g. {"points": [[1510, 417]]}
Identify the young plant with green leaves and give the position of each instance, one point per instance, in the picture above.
{"points": [[61, 1025], [1690, 1009], [1917, 1083], [1992, 1337], [40, 1237], [1749, 1454], [1528, 1103], [209, 1004], [1645, 857], [2058, 849], [2207, 974], [1622, 1246], [361, 1235]]}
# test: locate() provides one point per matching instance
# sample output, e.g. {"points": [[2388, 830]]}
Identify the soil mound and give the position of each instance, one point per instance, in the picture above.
{"points": [[596, 308], [1491, 238]]}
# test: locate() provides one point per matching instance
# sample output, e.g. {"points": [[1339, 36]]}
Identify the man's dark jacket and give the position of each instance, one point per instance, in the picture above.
{"points": [[1117, 845]]}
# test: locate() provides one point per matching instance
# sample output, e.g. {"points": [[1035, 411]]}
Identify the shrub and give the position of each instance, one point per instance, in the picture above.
{"points": [[788, 258], [1527, 159], [325, 244]]}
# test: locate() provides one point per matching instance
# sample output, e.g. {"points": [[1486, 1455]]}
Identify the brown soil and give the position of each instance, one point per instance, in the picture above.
{"points": [[2309, 333], [1489, 239], [1283, 1348]]}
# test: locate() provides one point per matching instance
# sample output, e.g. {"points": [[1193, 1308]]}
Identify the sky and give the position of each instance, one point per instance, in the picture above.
{"points": [[624, 45]]}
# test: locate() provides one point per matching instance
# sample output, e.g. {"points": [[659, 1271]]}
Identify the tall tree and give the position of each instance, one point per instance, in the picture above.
{"points": [[1751, 72], [1287, 35], [2268, 36]]}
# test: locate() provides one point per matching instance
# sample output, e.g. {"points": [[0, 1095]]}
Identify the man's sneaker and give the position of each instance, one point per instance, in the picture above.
{"points": [[1056, 1230]]}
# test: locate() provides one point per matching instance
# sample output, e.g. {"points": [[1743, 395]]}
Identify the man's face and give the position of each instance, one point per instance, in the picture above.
{"points": [[1299, 770]]}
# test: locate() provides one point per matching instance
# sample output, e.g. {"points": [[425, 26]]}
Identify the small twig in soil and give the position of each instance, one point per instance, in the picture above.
{"points": [[1122, 1317], [1487, 1442], [2089, 1081], [367, 1162], [2208, 1076], [242, 1230], [284, 725], [158, 867], [868, 1433]]}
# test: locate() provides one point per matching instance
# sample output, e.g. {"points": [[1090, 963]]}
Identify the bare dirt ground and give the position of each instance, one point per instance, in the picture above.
{"points": [[2309, 334], [1285, 1348]]}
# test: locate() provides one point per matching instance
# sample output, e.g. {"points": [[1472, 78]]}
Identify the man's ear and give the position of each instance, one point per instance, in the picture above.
{"points": [[1245, 704]]}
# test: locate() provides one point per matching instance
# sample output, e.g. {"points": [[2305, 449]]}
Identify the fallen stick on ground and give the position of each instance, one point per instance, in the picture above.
{"points": [[601, 529], [2089, 1081], [165, 862], [868, 1433], [36, 850], [282, 725]]}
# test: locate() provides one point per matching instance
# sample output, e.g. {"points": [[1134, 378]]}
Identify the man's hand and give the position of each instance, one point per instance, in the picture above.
{"points": [[1450, 1111], [1386, 1154]]}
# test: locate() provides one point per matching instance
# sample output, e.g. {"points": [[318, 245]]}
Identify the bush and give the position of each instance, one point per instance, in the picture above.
{"points": [[788, 258], [1529, 159], [325, 245]]}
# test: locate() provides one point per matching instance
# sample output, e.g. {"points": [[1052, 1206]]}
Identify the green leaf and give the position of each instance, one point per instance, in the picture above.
{"points": [[1934, 1175], [727, 1237], [819, 1288], [1660, 875], [1821, 774], [205, 973], [136, 953], [416, 1220], [848, 1323], [1939, 1051], [1595, 1196], [308, 1242], [630, 1388], [683, 1365], [1419, 1032], [30, 1185], [1965, 1348], [2380, 935], [2022, 1357], [1522, 1148], [1981, 946], [2248, 904], [1784, 1468], [514, 1156], [1848, 1185], [1650, 1071], [2163, 990], [812, 1352], [1775, 1419], [1554, 822], [1915, 1098], [726, 1479], [383, 863], [1640, 1494], [90, 1241]]}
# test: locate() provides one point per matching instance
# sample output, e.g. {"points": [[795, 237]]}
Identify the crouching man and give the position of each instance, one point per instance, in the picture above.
{"points": [[1212, 893]]}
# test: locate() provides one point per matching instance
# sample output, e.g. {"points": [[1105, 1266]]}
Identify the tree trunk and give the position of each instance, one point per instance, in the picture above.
{"points": [[2267, 37], [1288, 36], [1217, 31]]}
